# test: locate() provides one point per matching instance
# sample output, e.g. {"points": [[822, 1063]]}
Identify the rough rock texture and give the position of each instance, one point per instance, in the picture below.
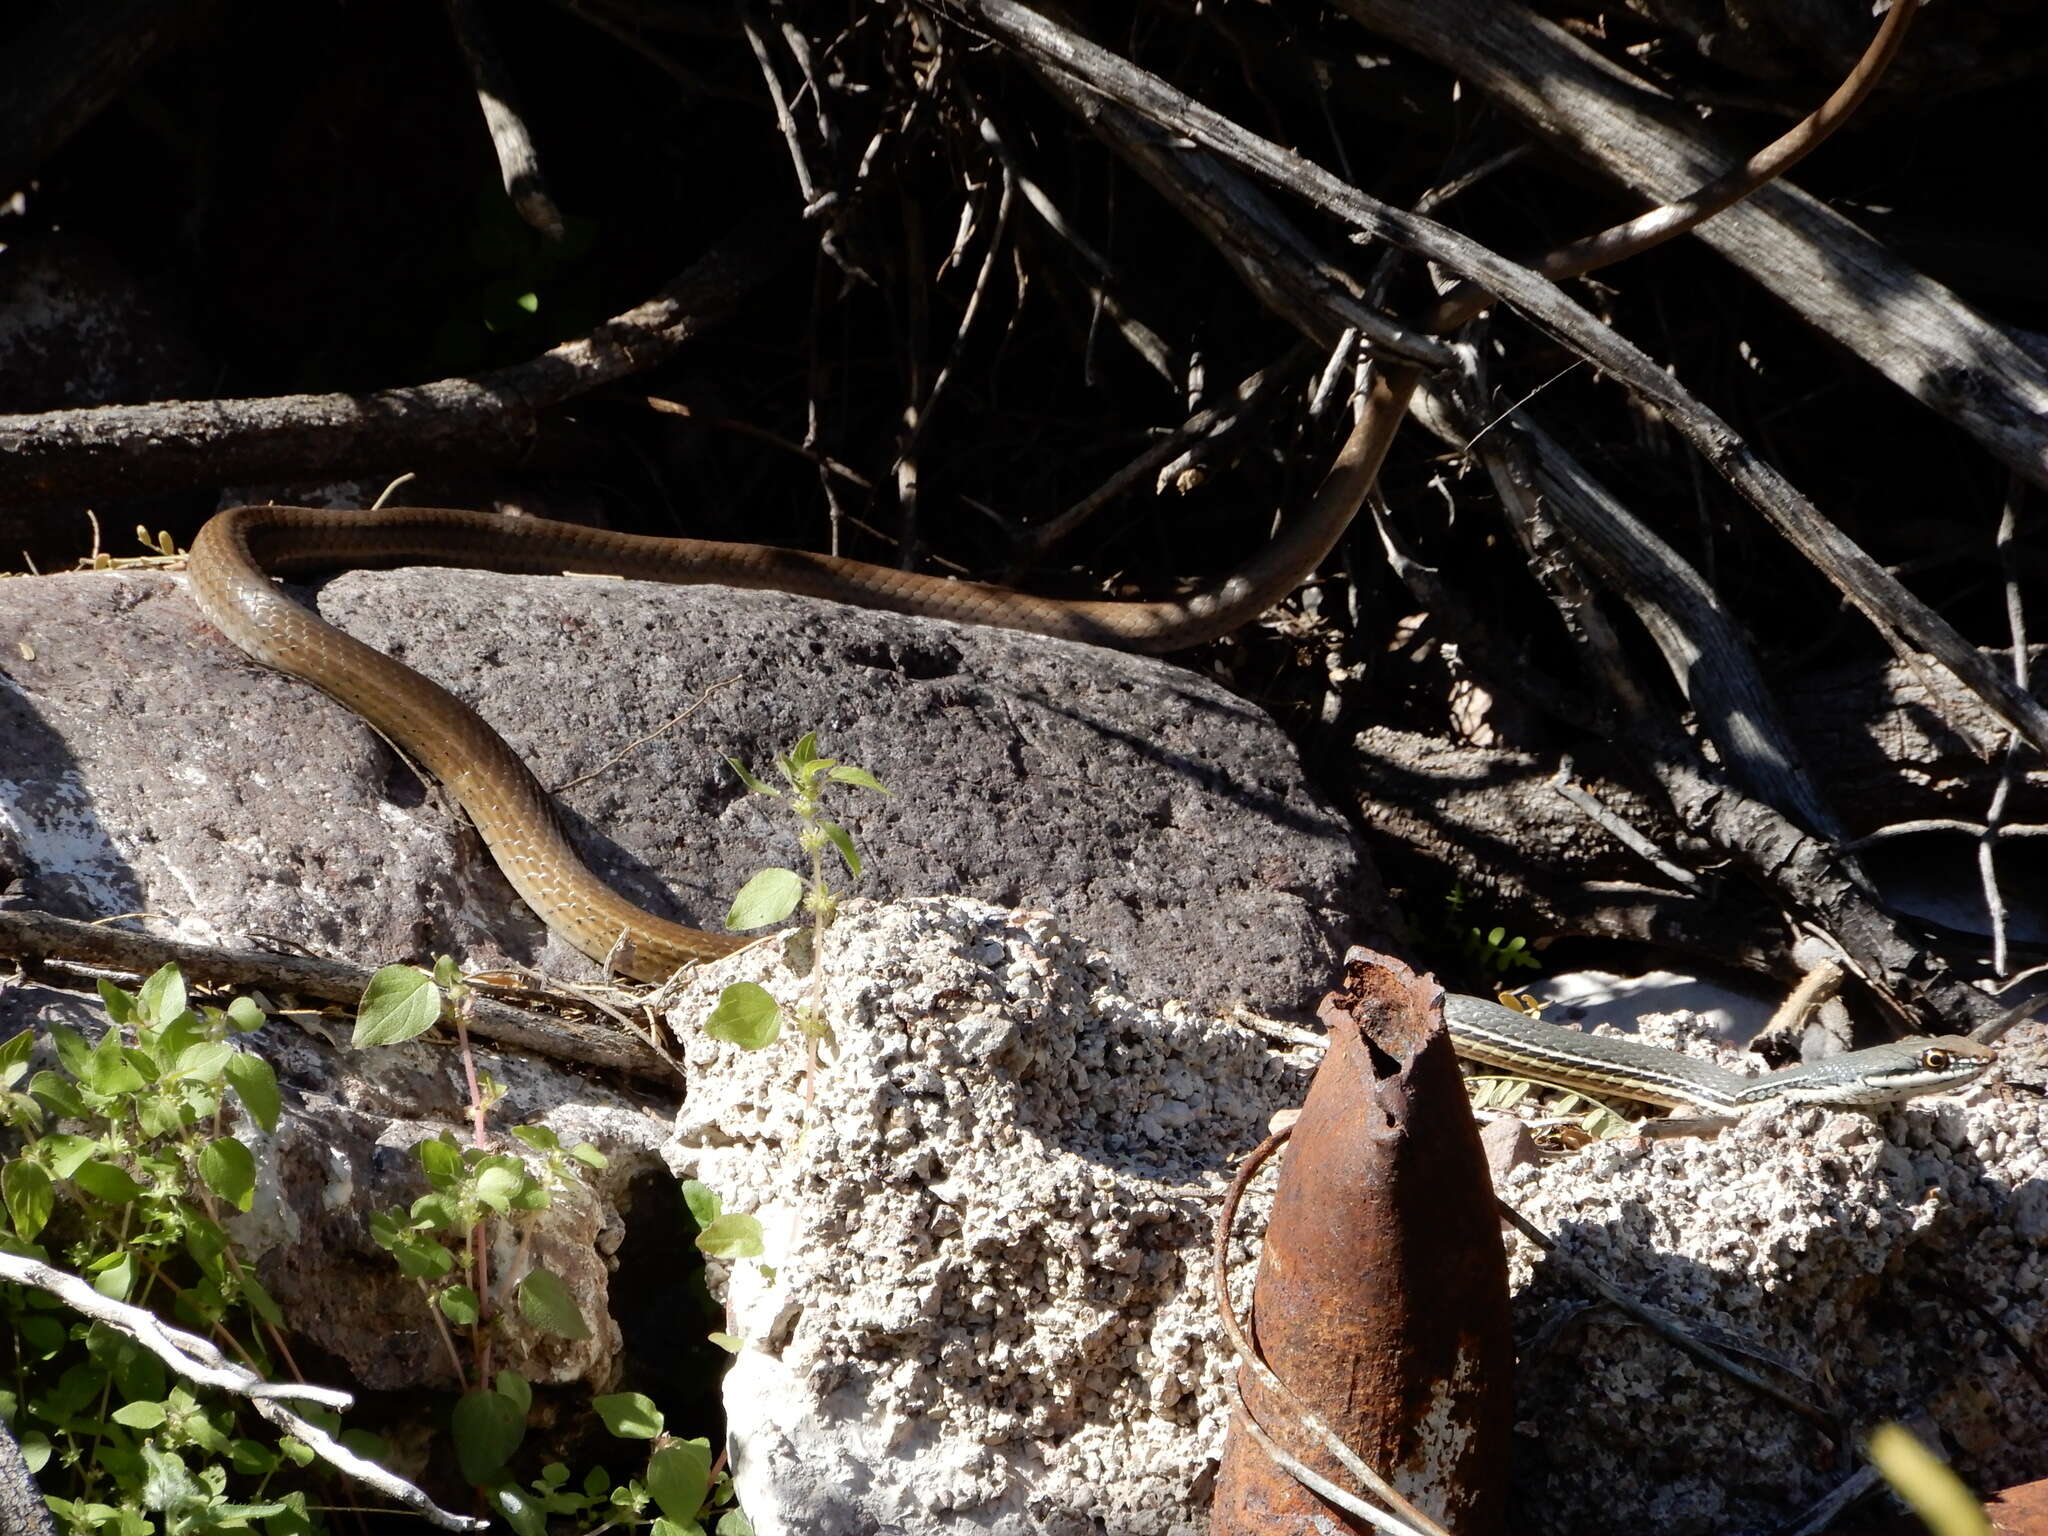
{"points": [[1875, 1268], [343, 1150], [988, 1309], [990, 1305], [150, 768]]}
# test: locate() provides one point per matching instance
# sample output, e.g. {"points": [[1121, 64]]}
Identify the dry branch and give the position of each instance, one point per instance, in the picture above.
{"points": [[1907, 327], [1861, 579], [518, 160], [38, 938], [132, 449]]}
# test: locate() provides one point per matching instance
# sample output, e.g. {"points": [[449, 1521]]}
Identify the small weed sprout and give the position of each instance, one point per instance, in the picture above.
{"points": [[443, 1243], [1490, 950], [746, 1013], [121, 1166]]}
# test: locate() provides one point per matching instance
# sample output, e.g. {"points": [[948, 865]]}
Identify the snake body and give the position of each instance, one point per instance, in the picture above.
{"points": [[238, 552], [1868, 1079]]}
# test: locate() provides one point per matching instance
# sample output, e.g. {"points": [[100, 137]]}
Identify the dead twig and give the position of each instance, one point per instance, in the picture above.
{"points": [[198, 1360], [518, 160], [87, 949], [131, 449], [1861, 579]]}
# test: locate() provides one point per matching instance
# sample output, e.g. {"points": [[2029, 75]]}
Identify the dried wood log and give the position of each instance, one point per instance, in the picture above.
{"points": [[1909, 328]]}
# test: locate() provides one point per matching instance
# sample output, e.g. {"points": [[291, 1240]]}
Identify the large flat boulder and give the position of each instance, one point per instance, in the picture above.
{"points": [[150, 768]]}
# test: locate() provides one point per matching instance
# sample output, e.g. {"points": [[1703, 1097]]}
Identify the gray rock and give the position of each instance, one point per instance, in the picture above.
{"points": [[984, 1303], [148, 767], [1876, 1268]]}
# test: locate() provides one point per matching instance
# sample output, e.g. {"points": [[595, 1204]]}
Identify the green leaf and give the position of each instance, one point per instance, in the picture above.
{"points": [[678, 1476], [488, 1428], [73, 1051], [746, 1015], [162, 997], [399, 1004], [629, 1415], [515, 1389], [60, 1095], [203, 1060], [255, 1084], [120, 1004], [229, 1170], [418, 1256], [66, 1153], [252, 1457], [545, 1302], [731, 1343], [166, 1042], [734, 1523], [767, 898], [846, 773], [139, 1415], [207, 1244], [498, 1185], [260, 1301], [165, 1114], [734, 1236], [114, 1276], [459, 1305], [245, 1015], [589, 1156], [702, 1200], [663, 1526], [106, 1181], [439, 1213], [440, 1160], [447, 974], [30, 1194], [538, 1137], [752, 783], [805, 751], [524, 1513], [843, 842], [108, 1069], [14, 1053]]}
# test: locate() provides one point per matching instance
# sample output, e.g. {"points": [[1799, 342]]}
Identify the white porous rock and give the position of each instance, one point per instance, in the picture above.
{"points": [[985, 1301], [1874, 1268]]}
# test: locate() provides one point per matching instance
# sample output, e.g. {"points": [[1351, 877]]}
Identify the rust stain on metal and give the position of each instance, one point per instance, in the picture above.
{"points": [[1382, 1295]]}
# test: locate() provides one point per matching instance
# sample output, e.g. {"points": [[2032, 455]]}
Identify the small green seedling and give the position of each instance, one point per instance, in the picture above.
{"points": [[478, 1196], [747, 1014]]}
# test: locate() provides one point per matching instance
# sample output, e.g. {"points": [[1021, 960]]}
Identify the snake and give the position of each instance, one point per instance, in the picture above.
{"points": [[239, 551], [1873, 1078]]}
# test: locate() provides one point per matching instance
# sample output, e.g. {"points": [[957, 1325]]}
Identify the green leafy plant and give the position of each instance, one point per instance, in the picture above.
{"points": [[442, 1241], [122, 1168], [680, 1489], [1489, 950], [720, 1233], [747, 1014]]}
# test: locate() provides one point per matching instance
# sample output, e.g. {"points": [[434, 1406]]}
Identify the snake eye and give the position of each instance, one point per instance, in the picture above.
{"points": [[1936, 1060]]}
